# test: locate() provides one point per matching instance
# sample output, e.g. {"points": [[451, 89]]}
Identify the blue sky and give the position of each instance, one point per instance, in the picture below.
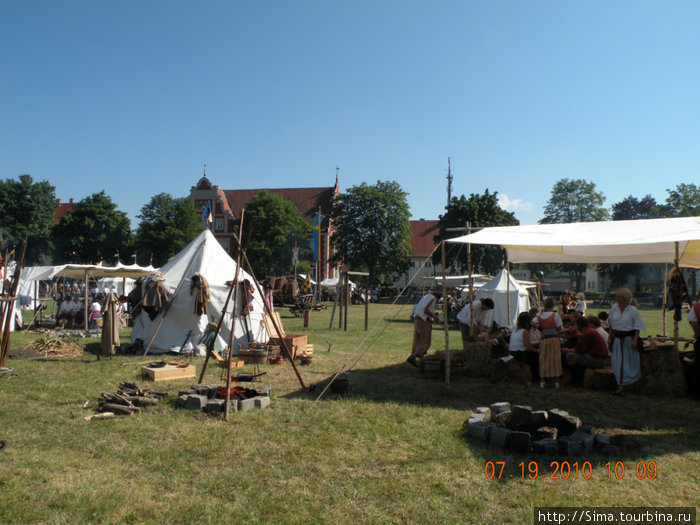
{"points": [[135, 97]]}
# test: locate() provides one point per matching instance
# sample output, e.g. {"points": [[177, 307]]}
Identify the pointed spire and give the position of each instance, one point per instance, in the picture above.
{"points": [[336, 175]]}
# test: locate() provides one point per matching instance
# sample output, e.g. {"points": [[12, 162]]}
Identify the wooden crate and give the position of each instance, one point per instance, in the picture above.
{"points": [[168, 372], [297, 343]]}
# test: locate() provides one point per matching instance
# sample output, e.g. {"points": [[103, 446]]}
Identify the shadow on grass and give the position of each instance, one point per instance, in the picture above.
{"points": [[640, 426]]}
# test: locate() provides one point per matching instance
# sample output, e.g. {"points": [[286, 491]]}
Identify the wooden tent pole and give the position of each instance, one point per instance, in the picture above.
{"points": [[232, 336], [675, 322], [167, 308], [445, 307], [663, 304]]}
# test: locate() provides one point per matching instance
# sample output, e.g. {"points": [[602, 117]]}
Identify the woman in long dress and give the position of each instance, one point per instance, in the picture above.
{"points": [[551, 326], [623, 339]]}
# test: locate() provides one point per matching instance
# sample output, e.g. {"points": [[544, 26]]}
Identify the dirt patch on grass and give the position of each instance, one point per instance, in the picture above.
{"points": [[23, 353]]}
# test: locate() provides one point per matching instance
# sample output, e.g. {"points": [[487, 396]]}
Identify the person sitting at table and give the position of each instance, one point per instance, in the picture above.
{"points": [[595, 323], [69, 311], [550, 325], [521, 347], [603, 316], [591, 351], [580, 304], [95, 311]]}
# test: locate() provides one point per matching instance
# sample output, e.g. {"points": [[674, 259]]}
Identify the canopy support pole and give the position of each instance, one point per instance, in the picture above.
{"points": [[445, 307], [675, 322]]}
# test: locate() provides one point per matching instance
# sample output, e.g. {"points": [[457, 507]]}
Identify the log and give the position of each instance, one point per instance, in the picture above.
{"points": [[121, 409], [102, 415]]}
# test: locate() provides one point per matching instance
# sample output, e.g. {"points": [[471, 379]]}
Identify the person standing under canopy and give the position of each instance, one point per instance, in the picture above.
{"points": [[423, 314], [480, 312], [623, 339]]}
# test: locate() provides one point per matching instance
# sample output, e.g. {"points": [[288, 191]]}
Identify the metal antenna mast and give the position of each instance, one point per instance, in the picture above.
{"points": [[449, 182]]}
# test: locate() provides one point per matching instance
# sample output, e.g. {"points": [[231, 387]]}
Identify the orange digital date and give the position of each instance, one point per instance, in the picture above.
{"points": [[570, 470]]}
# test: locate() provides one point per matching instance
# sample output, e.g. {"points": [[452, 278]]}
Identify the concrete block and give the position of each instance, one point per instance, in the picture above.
{"points": [[261, 401], [520, 417], [246, 404], [588, 429], [555, 416], [546, 433], [266, 390], [480, 430], [479, 417], [520, 442], [181, 401], [569, 425], [538, 418], [497, 408], [546, 446], [501, 419], [214, 405], [569, 447], [486, 411], [195, 402], [601, 441], [586, 439], [499, 437]]}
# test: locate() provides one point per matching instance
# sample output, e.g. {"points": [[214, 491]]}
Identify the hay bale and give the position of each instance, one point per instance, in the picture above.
{"points": [[662, 373]]}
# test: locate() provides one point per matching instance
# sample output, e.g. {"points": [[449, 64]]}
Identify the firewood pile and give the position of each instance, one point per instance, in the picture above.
{"points": [[56, 347], [127, 400]]}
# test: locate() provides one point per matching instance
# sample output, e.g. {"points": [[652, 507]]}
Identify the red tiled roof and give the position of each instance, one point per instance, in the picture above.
{"points": [[61, 210], [422, 235], [307, 200]]}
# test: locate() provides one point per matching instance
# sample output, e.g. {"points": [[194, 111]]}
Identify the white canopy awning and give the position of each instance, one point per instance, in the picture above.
{"points": [[80, 271], [640, 241]]}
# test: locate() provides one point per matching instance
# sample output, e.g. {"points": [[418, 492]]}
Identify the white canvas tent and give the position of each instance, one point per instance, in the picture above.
{"points": [[509, 298], [634, 241], [203, 255]]}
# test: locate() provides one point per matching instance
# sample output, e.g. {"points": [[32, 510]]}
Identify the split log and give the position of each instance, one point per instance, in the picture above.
{"points": [[102, 415], [121, 409]]}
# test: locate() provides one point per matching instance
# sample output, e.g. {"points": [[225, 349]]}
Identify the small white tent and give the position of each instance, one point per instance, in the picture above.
{"points": [[204, 255], [502, 292]]}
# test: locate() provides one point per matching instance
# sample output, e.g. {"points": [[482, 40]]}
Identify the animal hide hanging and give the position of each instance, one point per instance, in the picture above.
{"points": [[200, 285]]}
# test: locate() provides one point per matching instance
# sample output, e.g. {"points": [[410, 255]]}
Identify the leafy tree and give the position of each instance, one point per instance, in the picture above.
{"points": [[480, 211], [372, 229], [26, 212], [684, 201], [574, 200], [632, 208], [272, 226], [95, 231], [166, 226]]}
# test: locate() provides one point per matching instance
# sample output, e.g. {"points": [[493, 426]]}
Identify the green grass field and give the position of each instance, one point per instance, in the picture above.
{"points": [[390, 450]]}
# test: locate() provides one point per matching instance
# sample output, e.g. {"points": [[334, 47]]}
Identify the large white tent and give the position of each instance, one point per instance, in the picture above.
{"points": [[204, 255], [509, 298], [633, 241]]}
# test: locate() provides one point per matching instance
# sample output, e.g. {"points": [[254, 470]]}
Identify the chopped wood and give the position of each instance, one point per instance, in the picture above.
{"points": [[101, 415], [56, 347], [122, 409]]}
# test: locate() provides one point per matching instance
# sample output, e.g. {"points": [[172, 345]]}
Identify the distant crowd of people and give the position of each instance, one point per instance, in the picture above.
{"points": [[70, 303]]}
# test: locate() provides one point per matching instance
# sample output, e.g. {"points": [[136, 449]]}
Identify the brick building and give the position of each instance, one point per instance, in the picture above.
{"points": [[226, 206]]}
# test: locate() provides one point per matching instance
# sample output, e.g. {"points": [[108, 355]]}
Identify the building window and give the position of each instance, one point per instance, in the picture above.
{"points": [[219, 224]]}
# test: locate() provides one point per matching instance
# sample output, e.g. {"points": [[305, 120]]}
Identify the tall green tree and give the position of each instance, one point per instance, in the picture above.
{"points": [[272, 226], [372, 229], [631, 208], [166, 225], [683, 201], [479, 211], [574, 200], [96, 231], [26, 212]]}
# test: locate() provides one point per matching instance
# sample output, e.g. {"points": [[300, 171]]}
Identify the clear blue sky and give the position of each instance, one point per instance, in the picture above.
{"points": [[134, 97]]}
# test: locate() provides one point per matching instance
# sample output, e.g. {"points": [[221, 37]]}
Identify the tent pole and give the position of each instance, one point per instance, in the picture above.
{"points": [[445, 307], [663, 304], [507, 267], [675, 322], [471, 281], [232, 336], [167, 308]]}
